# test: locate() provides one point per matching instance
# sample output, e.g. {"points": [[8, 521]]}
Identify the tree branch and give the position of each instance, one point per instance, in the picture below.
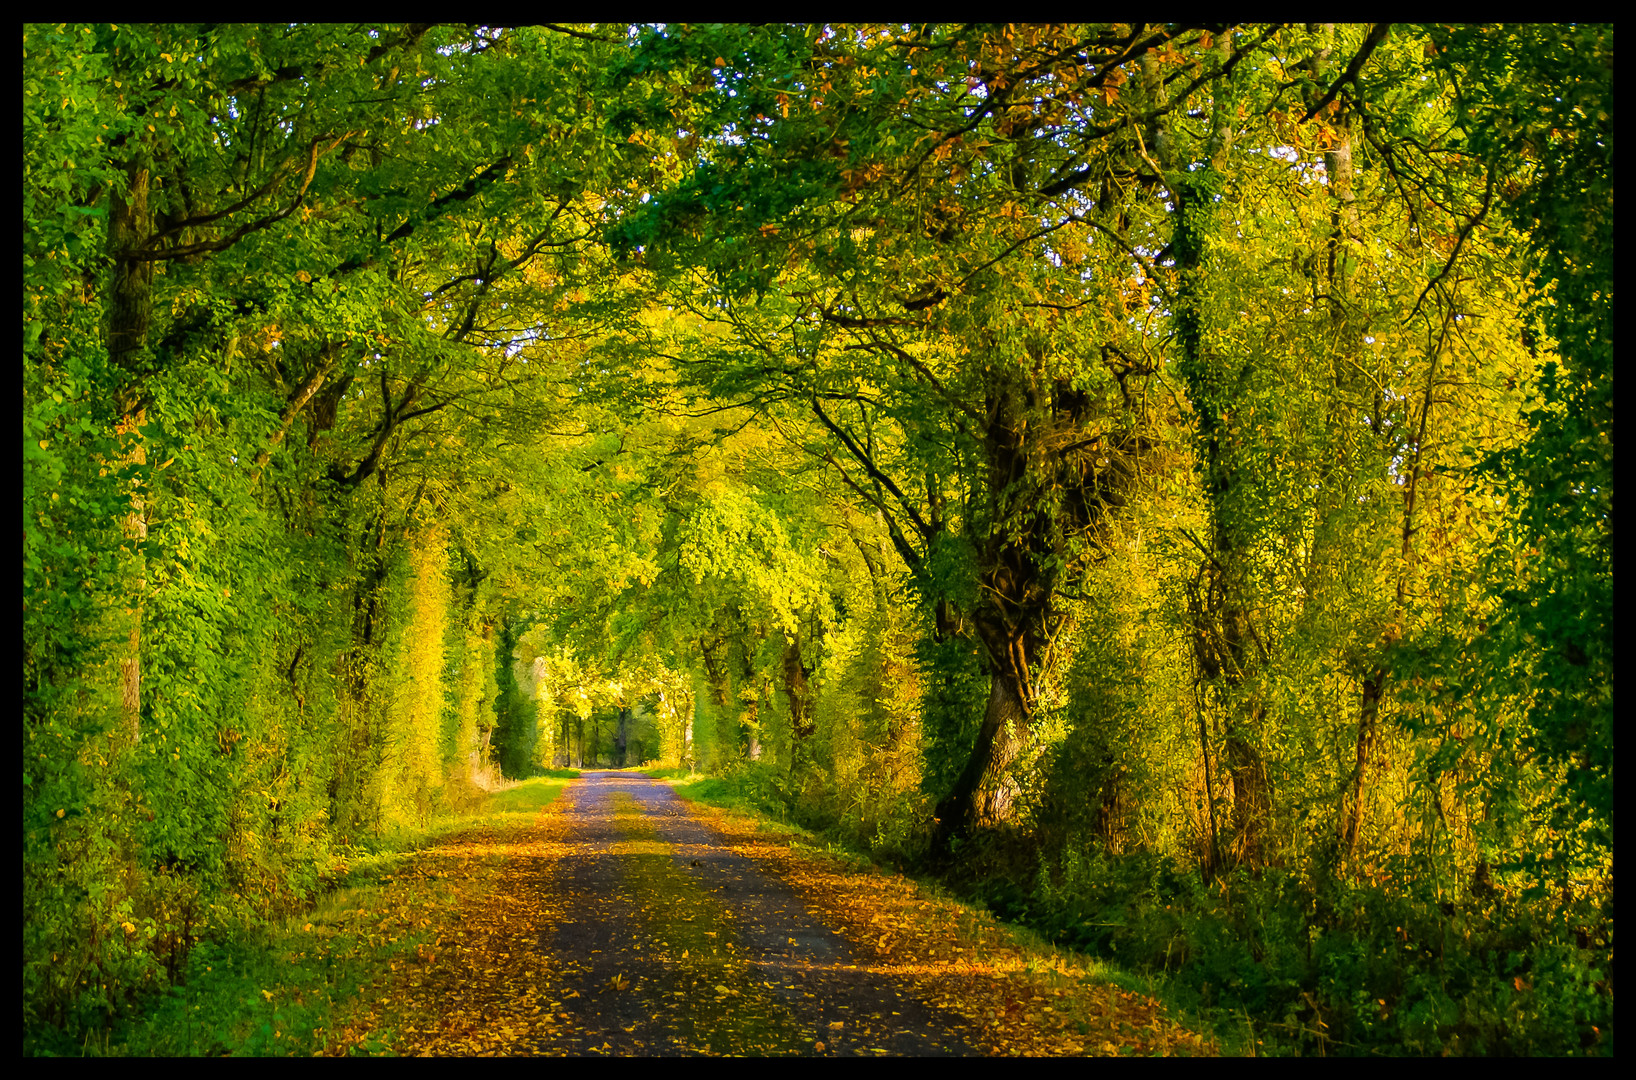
{"points": [[1047, 231], [460, 194], [408, 36], [911, 558], [869, 467], [925, 373], [1377, 34], [252, 227], [297, 402], [1460, 242], [577, 33]]}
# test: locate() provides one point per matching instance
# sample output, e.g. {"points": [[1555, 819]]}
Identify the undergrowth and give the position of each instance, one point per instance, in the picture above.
{"points": [[1335, 966], [253, 987], [1275, 963]]}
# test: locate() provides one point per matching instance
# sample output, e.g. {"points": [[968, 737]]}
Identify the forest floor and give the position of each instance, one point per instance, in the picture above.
{"points": [[623, 920]]}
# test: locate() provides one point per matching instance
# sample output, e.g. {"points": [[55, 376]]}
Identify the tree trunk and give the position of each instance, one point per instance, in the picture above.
{"points": [[984, 793], [1252, 796], [1223, 632], [1213, 853], [622, 735], [1020, 558], [135, 582], [130, 293], [1109, 822], [750, 696], [1352, 814], [798, 688], [723, 730], [1343, 218], [1374, 684], [1221, 640], [129, 318]]}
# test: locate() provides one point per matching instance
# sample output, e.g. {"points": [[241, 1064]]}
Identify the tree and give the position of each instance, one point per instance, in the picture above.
{"points": [[270, 221], [1538, 102], [908, 202], [1127, 443]]}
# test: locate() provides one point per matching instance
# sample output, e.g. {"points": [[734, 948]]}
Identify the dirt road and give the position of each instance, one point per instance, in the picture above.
{"points": [[671, 943], [624, 921]]}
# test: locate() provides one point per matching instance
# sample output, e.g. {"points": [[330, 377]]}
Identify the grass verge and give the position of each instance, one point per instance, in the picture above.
{"points": [[1273, 966], [290, 989]]}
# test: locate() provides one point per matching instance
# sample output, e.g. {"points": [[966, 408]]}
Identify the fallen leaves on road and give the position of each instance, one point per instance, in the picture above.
{"points": [[475, 987], [469, 975], [965, 962]]}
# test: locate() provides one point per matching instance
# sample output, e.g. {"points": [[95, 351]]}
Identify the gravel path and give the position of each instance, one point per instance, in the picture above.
{"points": [[668, 943]]}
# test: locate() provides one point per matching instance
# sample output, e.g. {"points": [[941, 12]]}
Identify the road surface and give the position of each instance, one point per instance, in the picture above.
{"points": [[669, 943]]}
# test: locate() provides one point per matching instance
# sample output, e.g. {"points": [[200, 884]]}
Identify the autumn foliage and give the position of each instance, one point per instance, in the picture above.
{"points": [[1155, 479]]}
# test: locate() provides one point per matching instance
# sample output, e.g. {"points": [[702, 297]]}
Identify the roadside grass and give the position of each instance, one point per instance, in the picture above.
{"points": [[1252, 969], [297, 987], [529, 796]]}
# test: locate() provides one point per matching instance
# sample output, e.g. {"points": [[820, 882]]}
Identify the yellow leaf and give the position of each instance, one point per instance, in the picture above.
{"points": [[268, 994]]}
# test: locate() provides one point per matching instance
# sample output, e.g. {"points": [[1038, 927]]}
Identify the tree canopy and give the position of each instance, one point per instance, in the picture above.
{"points": [[1072, 454]]}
